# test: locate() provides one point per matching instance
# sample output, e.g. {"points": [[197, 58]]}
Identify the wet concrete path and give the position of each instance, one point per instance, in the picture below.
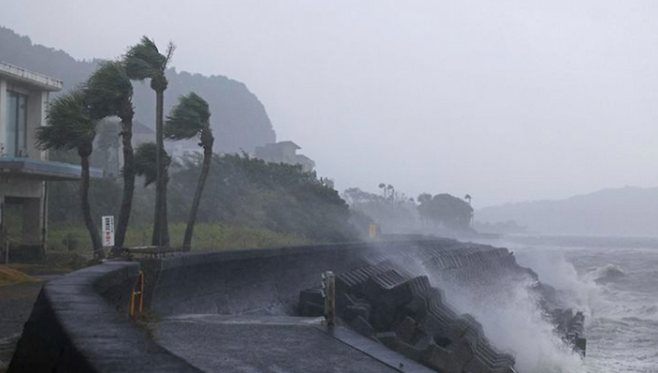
{"points": [[16, 303], [274, 344]]}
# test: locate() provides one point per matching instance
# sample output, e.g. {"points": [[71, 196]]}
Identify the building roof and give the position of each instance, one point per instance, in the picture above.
{"points": [[302, 157], [44, 170], [139, 127], [287, 143], [30, 78]]}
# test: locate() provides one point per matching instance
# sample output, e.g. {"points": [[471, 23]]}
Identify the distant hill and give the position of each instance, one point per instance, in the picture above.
{"points": [[239, 119], [628, 211]]}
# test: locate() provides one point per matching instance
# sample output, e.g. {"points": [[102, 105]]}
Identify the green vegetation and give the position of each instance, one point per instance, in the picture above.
{"points": [[190, 119], [397, 213], [144, 61], [246, 203], [446, 210], [250, 192], [264, 204], [73, 239], [109, 93], [71, 126]]}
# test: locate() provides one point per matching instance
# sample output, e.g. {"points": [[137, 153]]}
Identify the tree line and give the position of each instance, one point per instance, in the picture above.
{"points": [[398, 213]]}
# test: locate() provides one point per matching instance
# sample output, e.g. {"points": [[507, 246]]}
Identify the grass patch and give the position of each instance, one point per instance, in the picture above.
{"points": [[13, 276], [74, 239]]}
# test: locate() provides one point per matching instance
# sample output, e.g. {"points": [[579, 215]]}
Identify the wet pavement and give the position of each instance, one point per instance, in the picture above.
{"points": [[16, 303], [274, 344]]}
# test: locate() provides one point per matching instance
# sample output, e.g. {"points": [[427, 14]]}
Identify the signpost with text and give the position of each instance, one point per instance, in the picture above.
{"points": [[108, 231]]}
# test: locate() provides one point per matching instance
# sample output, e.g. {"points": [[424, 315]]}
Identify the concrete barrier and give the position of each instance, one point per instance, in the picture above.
{"points": [[80, 322]]}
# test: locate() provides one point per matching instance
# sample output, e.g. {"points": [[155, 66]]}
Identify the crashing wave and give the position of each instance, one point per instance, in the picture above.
{"points": [[608, 273]]}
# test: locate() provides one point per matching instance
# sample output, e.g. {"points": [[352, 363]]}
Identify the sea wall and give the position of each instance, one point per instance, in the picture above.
{"points": [[80, 322]]}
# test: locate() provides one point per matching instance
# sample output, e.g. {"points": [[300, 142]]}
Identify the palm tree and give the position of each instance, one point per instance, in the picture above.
{"points": [[71, 126], [189, 119], [145, 162], [382, 186], [109, 93], [469, 198], [144, 61]]}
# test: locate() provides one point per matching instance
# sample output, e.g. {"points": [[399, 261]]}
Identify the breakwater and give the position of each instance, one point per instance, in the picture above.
{"points": [[80, 322]]}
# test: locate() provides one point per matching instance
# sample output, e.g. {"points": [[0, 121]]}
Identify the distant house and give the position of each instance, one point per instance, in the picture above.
{"points": [[108, 153], [284, 152], [25, 170]]}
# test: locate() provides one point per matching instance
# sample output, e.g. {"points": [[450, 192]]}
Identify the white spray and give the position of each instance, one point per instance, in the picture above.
{"points": [[511, 317]]}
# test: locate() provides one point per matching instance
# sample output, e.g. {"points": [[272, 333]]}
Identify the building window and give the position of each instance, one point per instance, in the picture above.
{"points": [[16, 136]]}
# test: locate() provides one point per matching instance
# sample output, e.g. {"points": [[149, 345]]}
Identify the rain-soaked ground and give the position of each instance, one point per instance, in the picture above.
{"points": [[215, 343], [16, 303]]}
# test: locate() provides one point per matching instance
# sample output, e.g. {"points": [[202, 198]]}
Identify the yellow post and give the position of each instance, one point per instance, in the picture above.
{"points": [[373, 231], [138, 291]]}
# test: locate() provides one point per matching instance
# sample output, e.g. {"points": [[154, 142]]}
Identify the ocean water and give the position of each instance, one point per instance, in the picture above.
{"points": [[614, 281]]}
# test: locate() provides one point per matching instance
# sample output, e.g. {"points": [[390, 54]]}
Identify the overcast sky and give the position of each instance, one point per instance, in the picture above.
{"points": [[505, 100]]}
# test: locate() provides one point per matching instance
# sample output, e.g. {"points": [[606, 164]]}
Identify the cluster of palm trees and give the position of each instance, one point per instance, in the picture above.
{"points": [[387, 190], [73, 117]]}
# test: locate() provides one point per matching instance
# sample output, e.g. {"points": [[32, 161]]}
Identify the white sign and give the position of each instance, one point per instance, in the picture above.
{"points": [[108, 231]]}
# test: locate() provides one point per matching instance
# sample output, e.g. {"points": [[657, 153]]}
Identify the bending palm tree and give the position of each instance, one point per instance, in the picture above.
{"points": [[144, 61], [109, 93], [71, 126], [191, 118], [145, 162]]}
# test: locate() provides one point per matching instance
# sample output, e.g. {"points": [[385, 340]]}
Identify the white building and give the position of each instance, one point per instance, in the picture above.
{"points": [[284, 152], [24, 168]]}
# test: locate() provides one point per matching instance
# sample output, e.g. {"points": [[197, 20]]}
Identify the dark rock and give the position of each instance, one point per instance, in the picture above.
{"points": [[361, 326], [360, 310], [406, 329], [389, 339]]}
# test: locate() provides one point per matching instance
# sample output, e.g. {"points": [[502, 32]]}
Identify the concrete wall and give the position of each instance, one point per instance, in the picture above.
{"points": [[80, 322], [266, 281]]}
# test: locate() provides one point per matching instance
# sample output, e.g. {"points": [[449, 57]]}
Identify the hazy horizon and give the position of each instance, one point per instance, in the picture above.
{"points": [[507, 101]]}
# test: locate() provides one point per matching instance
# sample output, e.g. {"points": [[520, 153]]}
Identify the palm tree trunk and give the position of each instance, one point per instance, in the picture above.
{"points": [[86, 209], [207, 157], [160, 222], [128, 182]]}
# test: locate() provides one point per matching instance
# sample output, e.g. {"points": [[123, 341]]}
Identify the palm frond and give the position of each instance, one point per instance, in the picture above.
{"points": [[145, 162], [108, 89], [70, 125], [188, 118], [144, 60], [169, 55]]}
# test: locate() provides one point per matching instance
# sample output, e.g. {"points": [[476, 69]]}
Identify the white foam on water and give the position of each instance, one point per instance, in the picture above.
{"points": [[512, 319], [578, 292]]}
